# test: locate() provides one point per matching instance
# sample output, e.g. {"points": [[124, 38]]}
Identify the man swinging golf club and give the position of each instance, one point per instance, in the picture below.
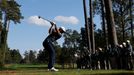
{"points": [[54, 34]]}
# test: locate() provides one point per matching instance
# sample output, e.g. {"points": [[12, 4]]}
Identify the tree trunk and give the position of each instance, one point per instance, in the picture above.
{"points": [[131, 18], [92, 27], [87, 30], [3, 39], [87, 26], [122, 23], [103, 24], [112, 37], [3, 47]]}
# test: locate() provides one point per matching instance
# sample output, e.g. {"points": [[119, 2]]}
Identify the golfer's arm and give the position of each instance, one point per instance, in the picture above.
{"points": [[56, 29], [50, 29]]}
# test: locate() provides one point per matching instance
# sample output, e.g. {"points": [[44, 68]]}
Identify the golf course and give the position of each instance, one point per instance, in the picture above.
{"points": [[66, 37], [20, 69]]}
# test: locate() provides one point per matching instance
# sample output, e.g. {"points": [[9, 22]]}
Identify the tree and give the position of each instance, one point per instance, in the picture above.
{"points": [[99, 38], [83, 40], [58, 51], [119, 19], [71, 45], [26, 57], [8, 58], [99, 9], [123, 19], [9, 11], [131, 3], [112, 37], [87, 27], [30, 57], [42, 56], [15, 56], [92, 27], [103, 23]]}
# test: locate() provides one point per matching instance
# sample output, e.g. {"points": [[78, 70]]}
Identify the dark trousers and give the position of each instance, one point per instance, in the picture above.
{"points": [[129, 63], [49, 46]]}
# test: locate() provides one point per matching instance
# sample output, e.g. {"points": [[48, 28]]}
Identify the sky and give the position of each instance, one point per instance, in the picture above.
{"points": [[30, 33]]}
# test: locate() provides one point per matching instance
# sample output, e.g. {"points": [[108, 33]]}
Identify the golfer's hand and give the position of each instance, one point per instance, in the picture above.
{"points": [[53, 23]]}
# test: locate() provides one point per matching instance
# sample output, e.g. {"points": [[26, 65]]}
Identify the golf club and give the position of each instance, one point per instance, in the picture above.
{"points": [[47, 20], [44, 19]]}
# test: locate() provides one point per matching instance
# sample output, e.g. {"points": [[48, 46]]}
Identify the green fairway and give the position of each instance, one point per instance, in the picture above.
{"points": [[42, 70]]}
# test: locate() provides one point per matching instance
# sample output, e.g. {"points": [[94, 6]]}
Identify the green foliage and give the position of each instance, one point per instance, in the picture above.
{"points": [[12, 10], [122, 16], [72, 39], [84, 38], [70, 46], [30, 57], [12, 56], [99, 38], [121, 9], [42, 56], [8, 58], [26, 57], [9, 10], [15, 56]]}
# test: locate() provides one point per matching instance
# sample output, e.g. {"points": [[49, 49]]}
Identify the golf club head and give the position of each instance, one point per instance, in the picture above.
{"points": [[39, 17]]}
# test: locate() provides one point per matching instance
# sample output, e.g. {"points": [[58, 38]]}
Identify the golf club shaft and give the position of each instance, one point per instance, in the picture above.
{"points": [[52, 23], [44, 19]]}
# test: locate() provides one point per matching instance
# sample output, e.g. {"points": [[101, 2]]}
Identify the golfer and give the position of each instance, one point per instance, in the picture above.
{"points": [[54, 34]]}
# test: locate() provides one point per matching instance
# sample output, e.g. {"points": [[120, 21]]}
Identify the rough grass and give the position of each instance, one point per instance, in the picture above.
{"points": [[42, 70]]}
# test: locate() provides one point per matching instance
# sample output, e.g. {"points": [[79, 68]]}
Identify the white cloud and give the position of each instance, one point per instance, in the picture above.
{"points": [[36, 21], [41, 22], [68, 20]]}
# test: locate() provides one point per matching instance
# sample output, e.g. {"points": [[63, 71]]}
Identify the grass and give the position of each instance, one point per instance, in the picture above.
{"points": [[17, 69]]}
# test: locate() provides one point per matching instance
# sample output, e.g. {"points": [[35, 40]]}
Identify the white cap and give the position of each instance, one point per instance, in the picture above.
{"points": [[100, 49], [121, 46], [124, 43], [63, 28], [128, 41]]}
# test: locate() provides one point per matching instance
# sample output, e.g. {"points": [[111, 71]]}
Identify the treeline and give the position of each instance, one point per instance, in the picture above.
{"points": [[75, 43], [74, 46], [65, 54]]}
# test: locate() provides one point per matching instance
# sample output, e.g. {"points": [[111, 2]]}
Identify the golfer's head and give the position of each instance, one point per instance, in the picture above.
{"points": [[62, 29]]}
